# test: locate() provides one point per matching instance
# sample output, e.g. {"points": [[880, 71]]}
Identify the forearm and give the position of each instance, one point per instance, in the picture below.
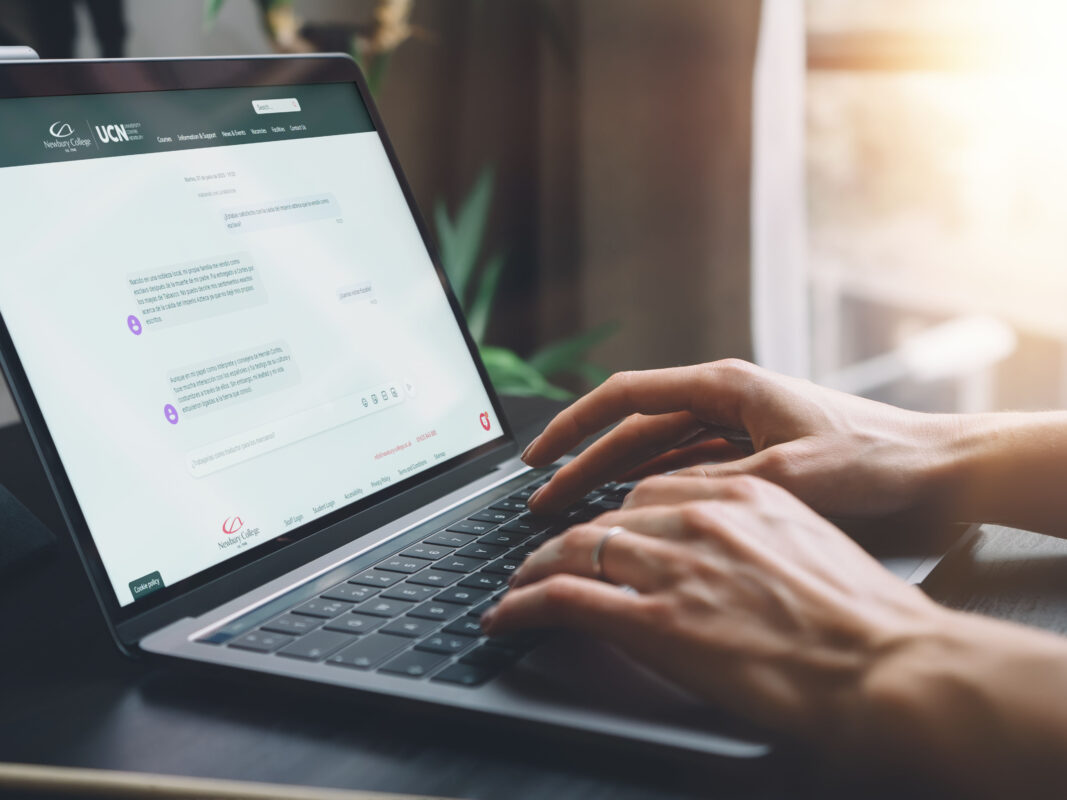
{"points": [[978, 705], [1009, 468]]}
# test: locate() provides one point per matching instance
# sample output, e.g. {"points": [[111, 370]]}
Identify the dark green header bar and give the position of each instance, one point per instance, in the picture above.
{"points": [[45, 130]]}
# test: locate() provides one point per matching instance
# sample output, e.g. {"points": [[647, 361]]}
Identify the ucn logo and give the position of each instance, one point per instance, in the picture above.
{"points": [[112, 133], [61, 130]]}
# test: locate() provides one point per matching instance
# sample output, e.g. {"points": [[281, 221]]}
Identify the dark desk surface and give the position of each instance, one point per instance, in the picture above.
{"points": [[67, 697]]}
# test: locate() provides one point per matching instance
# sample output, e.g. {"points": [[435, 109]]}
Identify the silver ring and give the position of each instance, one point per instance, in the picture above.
{"points": [[598, 551]]}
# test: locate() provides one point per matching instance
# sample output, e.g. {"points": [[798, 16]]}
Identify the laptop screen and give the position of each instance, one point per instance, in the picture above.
{"points": [[227, 315]]}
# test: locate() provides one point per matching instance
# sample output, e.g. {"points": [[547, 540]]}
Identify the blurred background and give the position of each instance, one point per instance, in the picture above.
{"points": [[868, 193]]}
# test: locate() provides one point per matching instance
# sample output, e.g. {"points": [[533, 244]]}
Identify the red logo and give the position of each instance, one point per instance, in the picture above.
{"points": [[232, 525], [484, 419]]}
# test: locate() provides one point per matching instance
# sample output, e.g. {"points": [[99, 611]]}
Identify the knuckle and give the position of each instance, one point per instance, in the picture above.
{"points": [[778, 465], [734, 366], [560, 592], [694, 516], [744, 488], [572, 543], [649, 487], [659, 610], [621, 382]]}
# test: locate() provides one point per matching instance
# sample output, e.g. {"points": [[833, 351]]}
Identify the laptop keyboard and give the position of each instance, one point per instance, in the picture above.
{"points": [[416, 613]]}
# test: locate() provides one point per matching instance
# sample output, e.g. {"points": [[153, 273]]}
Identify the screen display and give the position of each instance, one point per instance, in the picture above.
{"points": [[227, 315]]}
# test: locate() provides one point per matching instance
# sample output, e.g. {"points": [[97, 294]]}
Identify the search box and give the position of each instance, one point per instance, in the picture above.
{"points": [[281, 105]]}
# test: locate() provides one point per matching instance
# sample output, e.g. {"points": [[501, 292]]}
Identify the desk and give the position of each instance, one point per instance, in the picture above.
{"points": [[68, 698]]}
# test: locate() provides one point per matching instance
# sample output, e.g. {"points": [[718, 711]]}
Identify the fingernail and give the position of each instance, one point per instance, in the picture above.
{"points": [[529, 447], [511, 580], [487, 618], [532, 498]]}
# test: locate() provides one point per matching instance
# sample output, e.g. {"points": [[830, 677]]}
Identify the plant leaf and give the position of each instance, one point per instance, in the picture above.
{"points": [[469, 231], [211, 12], [482, 303], [566, 355], [446, 245], [511, 375]]}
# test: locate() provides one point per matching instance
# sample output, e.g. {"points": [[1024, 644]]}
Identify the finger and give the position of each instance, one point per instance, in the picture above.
{"points": [[578, 604], [670, 490], [682, 457], [775, 464], [713, 392], [636, 440], [624, 557]]}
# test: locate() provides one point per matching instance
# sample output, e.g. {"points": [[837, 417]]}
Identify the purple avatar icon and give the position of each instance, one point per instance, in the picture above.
{"points": [[134, 325], [171, 413]]}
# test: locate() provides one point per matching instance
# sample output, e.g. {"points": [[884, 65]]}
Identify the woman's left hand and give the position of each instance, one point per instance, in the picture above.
{"points": [[744, 596]]}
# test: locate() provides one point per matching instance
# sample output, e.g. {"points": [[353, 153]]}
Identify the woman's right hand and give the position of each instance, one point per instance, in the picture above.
{"points": [[842, 455]]}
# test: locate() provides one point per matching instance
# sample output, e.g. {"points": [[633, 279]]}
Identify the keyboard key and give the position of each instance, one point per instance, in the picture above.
{"points": [[482, 551], [503, 538], [483, 581], [447, 643], [462, 596], [403, 564], [520, 553], [350, 592], [264, 641], [488, 655], [292, 624], [450, 539], [355, 623], [439, 611], [472, 526], [324, 609], [368, 651], [384, 607], [428, 551], [434, 577], [481, 608], [503, 567], [411, 627], [414, 664], [517, 506], [373, 577], [465, 626], [490, 515], [465, 674], [316, 646], [459, 563], [527, 523], [410, 592]]}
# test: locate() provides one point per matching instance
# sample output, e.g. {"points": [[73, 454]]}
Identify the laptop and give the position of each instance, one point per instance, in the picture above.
{"points": [[259, 406]]}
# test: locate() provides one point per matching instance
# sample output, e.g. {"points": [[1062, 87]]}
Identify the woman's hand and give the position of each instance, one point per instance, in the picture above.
{"points": [[748, 599], [744, 596], [840, 454]]}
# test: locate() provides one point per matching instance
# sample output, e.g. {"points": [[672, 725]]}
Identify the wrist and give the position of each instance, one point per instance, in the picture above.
{"points": [[1003, 467]]}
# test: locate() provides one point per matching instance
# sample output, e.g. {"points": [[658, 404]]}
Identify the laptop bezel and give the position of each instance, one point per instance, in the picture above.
{"points": [[236, 575]]}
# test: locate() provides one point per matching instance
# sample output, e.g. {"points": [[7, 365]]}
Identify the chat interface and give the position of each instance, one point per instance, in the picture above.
{"points": [[227, 315]]}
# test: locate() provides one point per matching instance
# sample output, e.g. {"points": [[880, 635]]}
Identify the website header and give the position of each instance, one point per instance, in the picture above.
{"points": [[42, 130]]}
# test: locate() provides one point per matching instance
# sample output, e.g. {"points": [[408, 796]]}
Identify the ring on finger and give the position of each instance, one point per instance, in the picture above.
{"points": [[598, 551]]}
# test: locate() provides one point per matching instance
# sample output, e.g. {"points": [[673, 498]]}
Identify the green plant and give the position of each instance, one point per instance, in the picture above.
{"points": [[460, 240]]}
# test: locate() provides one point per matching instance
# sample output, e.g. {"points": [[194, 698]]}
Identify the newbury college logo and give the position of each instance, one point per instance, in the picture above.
{"points": [[61, 130]]}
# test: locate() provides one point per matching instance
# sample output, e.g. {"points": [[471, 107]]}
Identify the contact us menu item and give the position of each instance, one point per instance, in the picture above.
{"points": [[227, 315]]}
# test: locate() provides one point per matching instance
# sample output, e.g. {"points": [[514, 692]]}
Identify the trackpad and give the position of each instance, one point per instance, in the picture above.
{"points": [[578, 671]]}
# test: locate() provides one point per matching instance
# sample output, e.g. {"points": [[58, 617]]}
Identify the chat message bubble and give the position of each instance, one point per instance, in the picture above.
{"points": [[232, 378], [357, 293], [197, 289], [258, 216]]}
